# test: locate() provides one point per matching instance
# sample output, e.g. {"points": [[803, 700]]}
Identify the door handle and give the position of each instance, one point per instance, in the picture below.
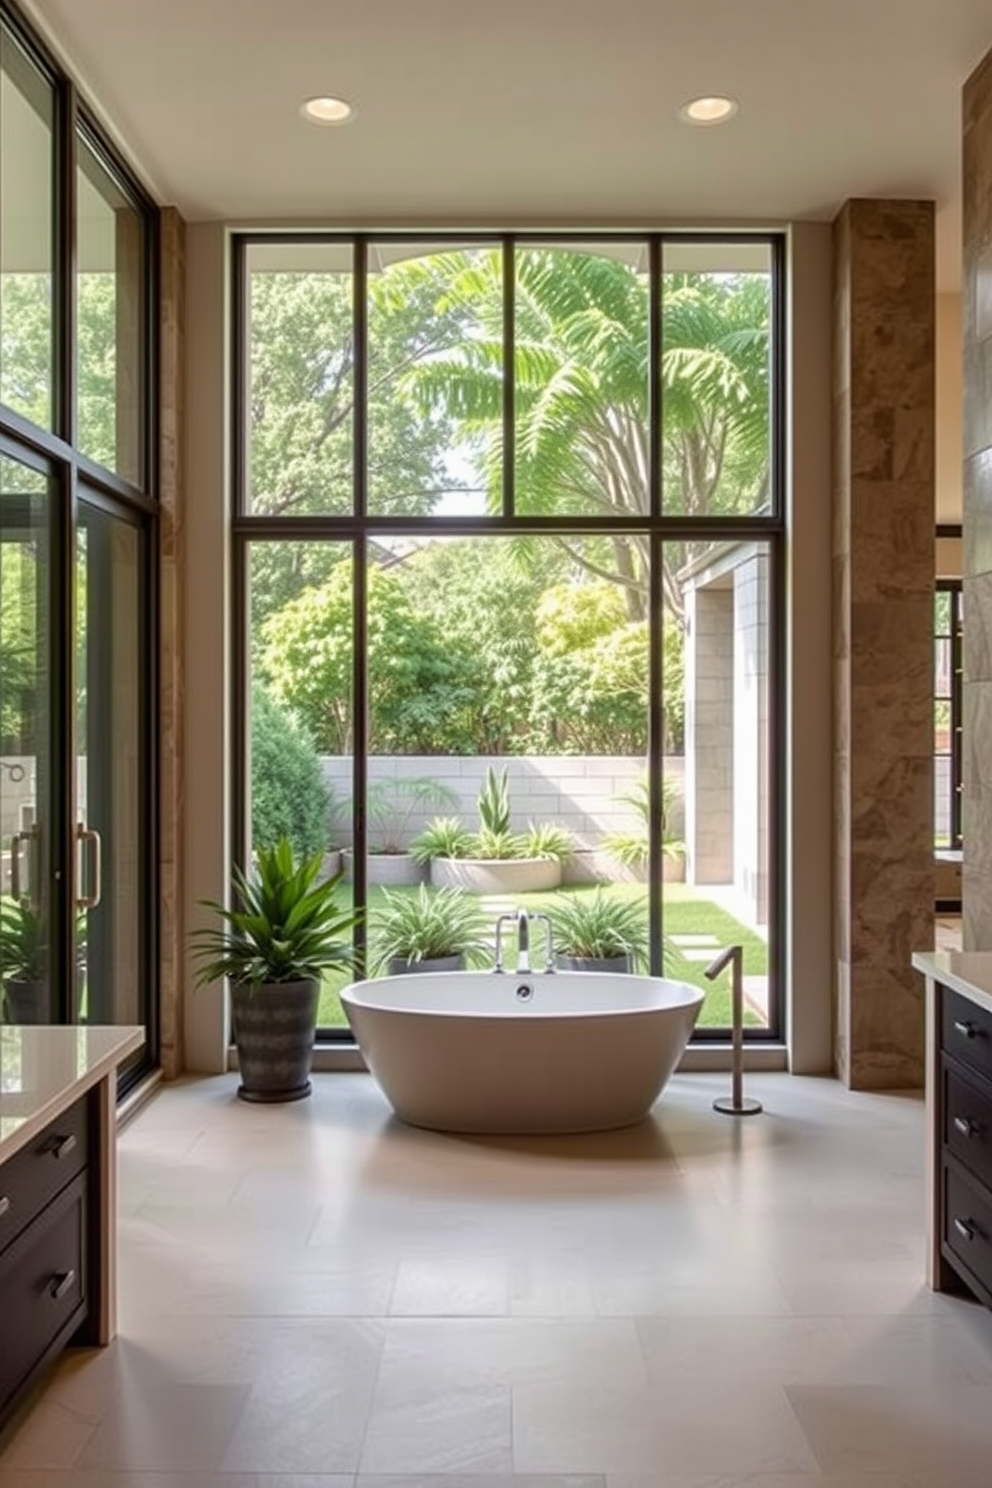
{"points": [[87, 836]]}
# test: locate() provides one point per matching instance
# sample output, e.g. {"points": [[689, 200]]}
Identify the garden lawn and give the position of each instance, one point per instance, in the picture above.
{"points": [[696, 930]]}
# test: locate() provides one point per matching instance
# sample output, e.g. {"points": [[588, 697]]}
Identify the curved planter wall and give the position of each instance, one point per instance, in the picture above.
{"points": [[496, 875]]}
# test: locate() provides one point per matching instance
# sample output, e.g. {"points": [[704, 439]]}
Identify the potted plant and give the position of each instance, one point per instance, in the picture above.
{"points": [[495, 859], [631, 850], [286, 929], [23, 962], [390, 803], [431, 930], [599, 932]]}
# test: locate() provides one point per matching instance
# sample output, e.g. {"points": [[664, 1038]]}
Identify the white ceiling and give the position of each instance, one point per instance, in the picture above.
{"points": [[502, 113]]}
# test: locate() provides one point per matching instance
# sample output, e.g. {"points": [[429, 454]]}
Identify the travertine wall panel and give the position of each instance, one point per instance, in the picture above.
{"points": [[884, 325]]}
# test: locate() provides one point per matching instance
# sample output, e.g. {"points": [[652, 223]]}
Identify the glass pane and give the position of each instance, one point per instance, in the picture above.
{"points": [[716, 378], [943, 665], [435, 379], [110, 288], [111, 780], [300, 379], [581, 393], [26, 515], [300, 709], [26, 251], [717, 685], [942, 726], [942, 612]]}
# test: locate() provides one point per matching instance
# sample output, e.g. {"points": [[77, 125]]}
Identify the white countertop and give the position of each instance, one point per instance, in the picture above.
{"points": [[44, 1068], [967, 972]]}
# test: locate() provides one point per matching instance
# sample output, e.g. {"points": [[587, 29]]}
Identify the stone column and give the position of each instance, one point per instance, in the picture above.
{"points": [[977, 546], [883, 415], [172, 421]]}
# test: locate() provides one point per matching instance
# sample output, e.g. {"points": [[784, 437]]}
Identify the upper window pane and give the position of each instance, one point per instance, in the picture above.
{"points": [[301, 379], [716, 378], [581, 391], [26, 192], [435, 316], [110, 287]]}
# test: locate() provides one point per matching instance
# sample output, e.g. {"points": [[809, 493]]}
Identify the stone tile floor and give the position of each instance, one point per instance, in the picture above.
{"points": [[316, 1296]]}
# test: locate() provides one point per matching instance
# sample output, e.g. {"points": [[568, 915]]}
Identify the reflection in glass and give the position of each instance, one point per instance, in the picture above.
{"points": [[300, 379], [716, 378], [581, 388], [25, 769], [111, 850], [111, 309], [26, 249]]}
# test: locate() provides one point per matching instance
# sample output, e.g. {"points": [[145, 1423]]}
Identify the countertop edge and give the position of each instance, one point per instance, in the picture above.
{"points": [[966, 972], [131, 1038]]}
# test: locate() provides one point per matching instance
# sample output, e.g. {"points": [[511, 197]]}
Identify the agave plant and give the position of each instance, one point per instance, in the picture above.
{"points": [[285, 927]]}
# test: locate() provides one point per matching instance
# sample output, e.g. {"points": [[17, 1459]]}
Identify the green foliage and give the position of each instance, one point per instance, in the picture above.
{"points": [[289, 796], [600, 926], [493, 803], [285, 927], [417, 684], [546, 840], [631, 848], [19, 627], [496, 845], [390, 802], [428, 925], [23, 942], [594, 699], [444, 837]]}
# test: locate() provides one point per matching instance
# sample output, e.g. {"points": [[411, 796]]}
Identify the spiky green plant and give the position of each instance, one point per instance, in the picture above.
{"points": [[546, 840], [285, 926], [494, 804], [599, 926], [428, 925], [23, 942], [444, 837], [497, 846]]}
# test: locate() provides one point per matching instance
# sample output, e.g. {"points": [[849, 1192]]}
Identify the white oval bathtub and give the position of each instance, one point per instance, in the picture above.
{"points": [[474, 1051]]}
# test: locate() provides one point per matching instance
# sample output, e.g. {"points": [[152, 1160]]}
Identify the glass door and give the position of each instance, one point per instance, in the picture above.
{"points": [[27, 860], [112, 815]]}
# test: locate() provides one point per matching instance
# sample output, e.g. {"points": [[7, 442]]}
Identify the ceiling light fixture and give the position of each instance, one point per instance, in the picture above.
{"points": [[327, 111], [716, 109]]}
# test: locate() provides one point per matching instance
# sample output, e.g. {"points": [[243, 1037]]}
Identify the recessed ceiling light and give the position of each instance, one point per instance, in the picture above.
{"points": [[327, 111], [713, 110]]}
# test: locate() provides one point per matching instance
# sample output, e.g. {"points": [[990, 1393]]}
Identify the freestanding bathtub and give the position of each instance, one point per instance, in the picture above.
{"points": [[476, 1051]]}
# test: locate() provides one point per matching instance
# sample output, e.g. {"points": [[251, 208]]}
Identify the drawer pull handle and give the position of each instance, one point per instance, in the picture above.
{"points": [[964, 1229], [4, 1205], [60, 1284], [63, 1146], [965, 1127], [966, 1030]]}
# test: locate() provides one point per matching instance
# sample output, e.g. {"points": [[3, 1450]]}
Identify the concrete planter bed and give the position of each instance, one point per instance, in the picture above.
{"points": [[496, 875]]}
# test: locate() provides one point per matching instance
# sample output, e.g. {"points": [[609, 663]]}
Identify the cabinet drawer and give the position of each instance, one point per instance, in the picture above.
{"points": [[966, 1032], [967, 1119], [43, 1285], [968, 1224], [36, 1174]]}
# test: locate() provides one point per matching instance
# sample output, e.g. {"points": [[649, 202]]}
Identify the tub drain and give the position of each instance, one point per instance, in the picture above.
{"points": [[525, 992]]}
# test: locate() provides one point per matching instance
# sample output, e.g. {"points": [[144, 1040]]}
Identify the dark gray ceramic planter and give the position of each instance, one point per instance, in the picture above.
{"points": [[26, 1000], [274, 1031], [398, 967], [593, 963]]}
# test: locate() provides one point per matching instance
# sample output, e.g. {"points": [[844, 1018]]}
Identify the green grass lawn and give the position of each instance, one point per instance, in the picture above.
{"points": [[696, 930]]}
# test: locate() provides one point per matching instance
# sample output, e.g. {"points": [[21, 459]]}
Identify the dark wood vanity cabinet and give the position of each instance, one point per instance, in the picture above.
{"points": [[45, 1248], [964, 1133]]}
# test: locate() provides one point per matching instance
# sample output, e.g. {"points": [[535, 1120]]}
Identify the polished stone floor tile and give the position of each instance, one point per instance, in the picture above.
{"points": [[316, 1296]]}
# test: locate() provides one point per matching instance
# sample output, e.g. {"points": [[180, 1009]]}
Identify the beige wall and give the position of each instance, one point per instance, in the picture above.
{"points": [[808, 954], [949, 396]]}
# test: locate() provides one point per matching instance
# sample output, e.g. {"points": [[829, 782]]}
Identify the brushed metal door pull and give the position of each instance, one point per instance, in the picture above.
{"points": [[964, 1228], [60, 1284], [966, 1128], [966, 1030], [4, 1205], [63, 1146]]}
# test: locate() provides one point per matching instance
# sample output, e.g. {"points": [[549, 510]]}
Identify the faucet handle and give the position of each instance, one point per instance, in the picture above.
{"points": [[549, 946]]}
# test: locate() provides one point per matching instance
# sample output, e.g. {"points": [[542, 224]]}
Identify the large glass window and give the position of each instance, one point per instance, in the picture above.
{"points": [[27, 193], [947, 690], [502, 621]]}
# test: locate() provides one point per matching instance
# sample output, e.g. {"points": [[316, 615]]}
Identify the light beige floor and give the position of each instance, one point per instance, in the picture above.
{"points": [[315, 1296]]}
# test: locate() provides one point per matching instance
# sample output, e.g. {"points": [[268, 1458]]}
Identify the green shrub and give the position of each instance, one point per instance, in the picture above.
{"points": [[289, 796]]}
